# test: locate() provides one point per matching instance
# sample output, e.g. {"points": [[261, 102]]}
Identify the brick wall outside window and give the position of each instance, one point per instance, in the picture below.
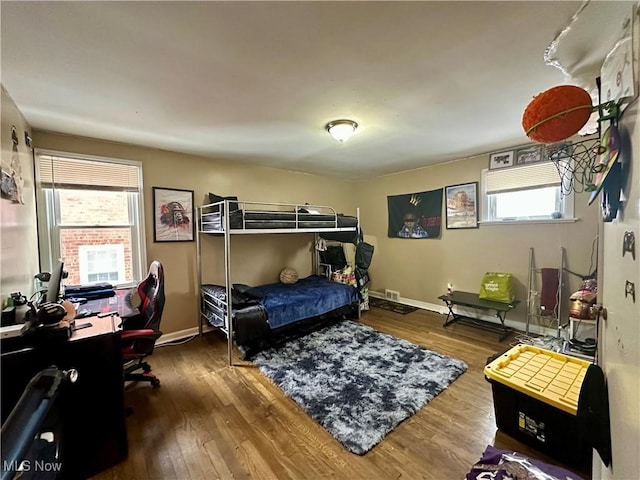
{"points": [[90, 207]]}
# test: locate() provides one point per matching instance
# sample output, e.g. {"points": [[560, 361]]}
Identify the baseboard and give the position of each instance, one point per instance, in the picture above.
{"points": [[182, 334], [443, 310], [432, 307]]}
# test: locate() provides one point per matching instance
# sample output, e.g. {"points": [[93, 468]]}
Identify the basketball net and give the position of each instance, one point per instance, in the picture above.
{"points": [[575, 163]]}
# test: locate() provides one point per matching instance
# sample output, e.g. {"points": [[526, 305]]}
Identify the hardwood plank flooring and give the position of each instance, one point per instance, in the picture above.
{"points": [[208, 420]]}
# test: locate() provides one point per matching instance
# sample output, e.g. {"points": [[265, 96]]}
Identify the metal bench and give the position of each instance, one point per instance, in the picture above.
{"points": [[468, 299]]}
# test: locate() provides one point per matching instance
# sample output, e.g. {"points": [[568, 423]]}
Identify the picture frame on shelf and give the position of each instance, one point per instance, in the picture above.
{"points": [[501, 160], [462, 206], [529, 155], [173, 215]]}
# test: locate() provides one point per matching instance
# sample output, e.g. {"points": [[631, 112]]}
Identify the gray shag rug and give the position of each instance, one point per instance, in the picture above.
{"points": [[359, 384]]}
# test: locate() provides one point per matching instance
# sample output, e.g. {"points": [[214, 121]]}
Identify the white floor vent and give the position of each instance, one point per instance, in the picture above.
{"points": [[391, 295]]}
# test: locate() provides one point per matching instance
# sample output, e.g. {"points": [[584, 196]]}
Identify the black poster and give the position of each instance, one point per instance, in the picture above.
{"points": [[415, 215]]}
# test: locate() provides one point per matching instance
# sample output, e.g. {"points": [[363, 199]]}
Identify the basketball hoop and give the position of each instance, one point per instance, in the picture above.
{"points": [[575, 163]]}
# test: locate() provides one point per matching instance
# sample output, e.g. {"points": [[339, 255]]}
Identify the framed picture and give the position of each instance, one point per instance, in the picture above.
{"points": [[527, 155], [172, 215], [462, 206], [500, 160]]}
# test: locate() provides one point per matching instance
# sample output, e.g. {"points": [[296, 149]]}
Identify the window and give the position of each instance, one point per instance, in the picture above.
{"points": [[525, 193], [90, 215], [102, 263]]}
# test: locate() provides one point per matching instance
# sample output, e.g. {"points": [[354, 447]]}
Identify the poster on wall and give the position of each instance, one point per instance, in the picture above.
{"points": [[172, 215], [462, 205], [500, 160], [415, 215]]}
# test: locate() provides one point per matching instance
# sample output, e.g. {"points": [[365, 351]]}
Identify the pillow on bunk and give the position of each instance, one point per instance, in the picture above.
{"points": [[233, 206], [248, 291]]}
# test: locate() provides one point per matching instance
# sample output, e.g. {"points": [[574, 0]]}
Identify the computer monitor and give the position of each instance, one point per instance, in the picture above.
{"points": [[53, 287]]}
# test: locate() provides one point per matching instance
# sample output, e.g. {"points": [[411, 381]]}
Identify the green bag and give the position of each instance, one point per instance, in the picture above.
{"points": [[497, 287]]}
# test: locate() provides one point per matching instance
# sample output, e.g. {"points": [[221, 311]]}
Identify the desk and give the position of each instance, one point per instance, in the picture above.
{"points": [[467, 299], [94, 430]]}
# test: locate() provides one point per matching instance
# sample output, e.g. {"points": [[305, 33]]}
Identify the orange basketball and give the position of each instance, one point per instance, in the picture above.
{"points": [[557, 113]]}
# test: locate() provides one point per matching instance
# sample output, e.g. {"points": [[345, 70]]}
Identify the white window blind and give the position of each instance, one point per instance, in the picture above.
{"points": [[66, 172], [525, 177]]}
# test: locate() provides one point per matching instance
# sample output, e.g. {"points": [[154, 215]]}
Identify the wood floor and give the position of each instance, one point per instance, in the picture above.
{"points": [[208, 420]]}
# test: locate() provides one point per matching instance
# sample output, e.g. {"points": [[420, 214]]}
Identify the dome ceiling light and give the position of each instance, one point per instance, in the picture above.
{"points": [[341, 130]]}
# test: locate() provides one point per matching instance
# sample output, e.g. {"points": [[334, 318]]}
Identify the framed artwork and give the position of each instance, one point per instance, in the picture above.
{"points": [[172, 215], [500, 160], [462, 206], [527, 155]]}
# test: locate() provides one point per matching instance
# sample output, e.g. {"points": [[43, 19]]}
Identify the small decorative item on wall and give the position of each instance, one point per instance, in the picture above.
{"points": [[462, 206], [172, 215], [501, 160], [527, 155], [12, 184]]}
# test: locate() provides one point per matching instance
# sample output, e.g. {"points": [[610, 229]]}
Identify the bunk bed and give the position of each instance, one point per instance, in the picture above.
{"points": [[260, 311]]}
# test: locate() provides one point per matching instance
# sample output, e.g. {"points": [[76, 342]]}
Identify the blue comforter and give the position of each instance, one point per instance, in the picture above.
{"points": [[308, 297]]}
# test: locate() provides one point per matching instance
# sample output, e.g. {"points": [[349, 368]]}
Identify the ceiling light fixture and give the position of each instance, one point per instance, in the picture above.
{"points": [[341, 130]]}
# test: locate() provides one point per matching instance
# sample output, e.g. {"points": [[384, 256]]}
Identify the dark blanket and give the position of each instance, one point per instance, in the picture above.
{"points": [[308, 297]]}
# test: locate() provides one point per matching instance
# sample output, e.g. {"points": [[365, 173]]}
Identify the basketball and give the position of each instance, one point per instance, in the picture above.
{"points": [[288, 275], [557, 113]]}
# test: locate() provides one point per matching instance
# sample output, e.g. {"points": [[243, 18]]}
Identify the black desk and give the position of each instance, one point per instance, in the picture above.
{"points": [[93, 418], [467, 299]]}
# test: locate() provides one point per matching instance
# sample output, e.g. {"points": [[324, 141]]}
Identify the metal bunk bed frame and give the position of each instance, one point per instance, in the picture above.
{"points": [[227, 232]]}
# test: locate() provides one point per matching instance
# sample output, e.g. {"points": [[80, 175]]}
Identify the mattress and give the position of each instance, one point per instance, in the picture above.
{"points": [[308, 297], [281, 305], [255, 220]]}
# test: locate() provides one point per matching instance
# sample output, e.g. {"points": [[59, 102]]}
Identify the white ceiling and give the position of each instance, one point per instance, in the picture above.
{"points": [[256, 82]]}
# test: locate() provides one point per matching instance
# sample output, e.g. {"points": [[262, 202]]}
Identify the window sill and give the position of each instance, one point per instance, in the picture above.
{"points": [[527, 222]]}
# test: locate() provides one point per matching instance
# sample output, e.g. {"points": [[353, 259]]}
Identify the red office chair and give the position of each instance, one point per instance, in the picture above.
{"points": [[141, 332]]}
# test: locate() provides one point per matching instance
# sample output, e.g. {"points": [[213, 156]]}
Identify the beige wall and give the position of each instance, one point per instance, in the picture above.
{"points": [[256, 259], [420, 269], [18, 239]]}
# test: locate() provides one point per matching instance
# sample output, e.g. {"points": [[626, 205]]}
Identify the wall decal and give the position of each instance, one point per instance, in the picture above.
{"points": [[629, 244], [630, 290]]}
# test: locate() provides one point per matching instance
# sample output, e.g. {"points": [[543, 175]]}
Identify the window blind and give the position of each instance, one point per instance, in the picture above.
{"points": [[525, 177], [68, 172]]}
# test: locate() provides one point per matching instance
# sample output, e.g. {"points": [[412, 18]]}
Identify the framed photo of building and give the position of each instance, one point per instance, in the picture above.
{"points": [[527, 155], [462, 206], [501, 160], [172, 215]]}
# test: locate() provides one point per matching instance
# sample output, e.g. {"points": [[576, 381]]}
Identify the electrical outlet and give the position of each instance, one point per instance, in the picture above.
{"points": [[391, 295]]}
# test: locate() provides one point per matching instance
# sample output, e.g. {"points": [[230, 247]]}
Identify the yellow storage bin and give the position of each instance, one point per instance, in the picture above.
{"points": [[551, 377], [535, 397]]}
